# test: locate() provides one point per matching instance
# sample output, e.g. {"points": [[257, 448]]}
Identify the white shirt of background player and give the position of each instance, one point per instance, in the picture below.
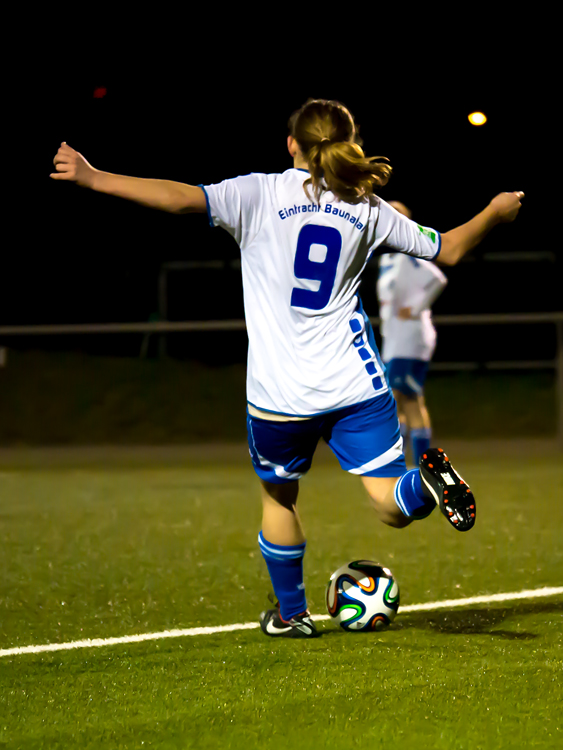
{"points": [[406, 289]]}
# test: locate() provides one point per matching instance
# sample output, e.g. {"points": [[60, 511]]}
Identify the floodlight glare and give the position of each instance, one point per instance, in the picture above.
{"points": [[477, 118]]}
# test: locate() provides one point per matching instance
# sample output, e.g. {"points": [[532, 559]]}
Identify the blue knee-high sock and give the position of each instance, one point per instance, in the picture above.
{"points": [[285, 566], [420, 441], [410, 498]]}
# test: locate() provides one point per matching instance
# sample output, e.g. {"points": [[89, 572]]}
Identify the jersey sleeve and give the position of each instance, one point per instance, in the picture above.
{"points": [[397, 233], [237, 205], [434, 282]]}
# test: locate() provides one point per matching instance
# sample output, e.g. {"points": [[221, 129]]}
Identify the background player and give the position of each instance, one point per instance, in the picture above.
{"points": [[406, 289], [314, 370]]}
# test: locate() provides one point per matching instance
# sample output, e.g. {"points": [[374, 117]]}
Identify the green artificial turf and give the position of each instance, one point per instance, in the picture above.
{"points": [[138, 544]]}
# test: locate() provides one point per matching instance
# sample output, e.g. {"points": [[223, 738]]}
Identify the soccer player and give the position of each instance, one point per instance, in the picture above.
{"points": [[313, 367], [406, 289]]}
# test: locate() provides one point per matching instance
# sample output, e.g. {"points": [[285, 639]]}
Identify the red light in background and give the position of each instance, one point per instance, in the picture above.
{"points": [[100, 92]]}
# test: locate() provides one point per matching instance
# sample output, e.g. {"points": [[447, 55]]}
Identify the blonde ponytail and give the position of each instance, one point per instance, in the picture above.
{"points": [[327, 136]]}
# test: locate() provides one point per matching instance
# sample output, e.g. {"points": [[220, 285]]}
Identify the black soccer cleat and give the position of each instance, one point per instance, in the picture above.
{"points": [[299, 626], [441, 482]]}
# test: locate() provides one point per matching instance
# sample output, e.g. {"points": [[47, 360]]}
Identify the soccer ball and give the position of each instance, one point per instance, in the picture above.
{"points": [[362, 595]]}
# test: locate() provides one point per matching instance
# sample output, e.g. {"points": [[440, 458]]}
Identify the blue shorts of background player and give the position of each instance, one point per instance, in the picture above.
{"points": [[407, 377]]}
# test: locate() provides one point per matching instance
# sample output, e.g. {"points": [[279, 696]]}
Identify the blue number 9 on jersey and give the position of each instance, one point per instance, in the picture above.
{"points": [[323, 271]]}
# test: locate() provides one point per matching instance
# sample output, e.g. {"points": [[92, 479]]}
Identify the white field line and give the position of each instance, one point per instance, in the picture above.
{"points": [[426, 607]]}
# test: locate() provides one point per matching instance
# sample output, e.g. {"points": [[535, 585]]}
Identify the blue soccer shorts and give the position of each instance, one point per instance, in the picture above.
{"points": [[365, 438], [407, 375]]}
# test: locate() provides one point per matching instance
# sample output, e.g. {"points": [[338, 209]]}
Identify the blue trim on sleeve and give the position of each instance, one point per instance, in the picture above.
{"points": [[439, 245], [211, 224]]}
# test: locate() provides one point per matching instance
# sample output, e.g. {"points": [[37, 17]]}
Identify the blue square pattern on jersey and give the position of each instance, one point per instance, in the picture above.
{"points": [[355, 325], [363, 351]]}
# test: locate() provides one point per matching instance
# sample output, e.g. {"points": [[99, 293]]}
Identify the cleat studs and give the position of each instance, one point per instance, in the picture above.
{"points": [[472, 507], [445, 492], [430, 466], [461, 481], [425, 456], [455, 520], [445, 500], [473, 515], [468, 490], [440, 450], [446, 458]]}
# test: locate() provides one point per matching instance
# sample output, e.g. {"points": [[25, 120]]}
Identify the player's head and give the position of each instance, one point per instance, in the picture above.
{"points": [[325, 134], [401, 208]]}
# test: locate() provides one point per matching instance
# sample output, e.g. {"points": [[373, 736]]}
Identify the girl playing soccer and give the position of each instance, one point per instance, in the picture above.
{"points": [[313, 367]]}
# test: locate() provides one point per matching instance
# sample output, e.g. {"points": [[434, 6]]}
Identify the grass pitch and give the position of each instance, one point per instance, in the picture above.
{"points": [[115, 543]]}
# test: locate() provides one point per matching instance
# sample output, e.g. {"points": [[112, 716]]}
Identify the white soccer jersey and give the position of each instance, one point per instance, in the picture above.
{"points": [[407, 282], [309, 350]]}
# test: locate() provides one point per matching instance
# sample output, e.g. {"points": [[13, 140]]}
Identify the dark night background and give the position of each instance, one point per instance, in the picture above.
{"points": [[83, 257]]}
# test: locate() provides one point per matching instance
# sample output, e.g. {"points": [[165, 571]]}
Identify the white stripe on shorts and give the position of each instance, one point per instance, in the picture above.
{"points": [[386, 458], [414, 386], [279, 471]]}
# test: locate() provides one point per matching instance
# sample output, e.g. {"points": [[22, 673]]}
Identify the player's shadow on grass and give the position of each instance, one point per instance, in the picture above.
{"points": [[477, 621]]}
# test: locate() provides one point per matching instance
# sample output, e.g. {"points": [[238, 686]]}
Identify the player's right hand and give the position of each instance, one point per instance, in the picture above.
{"points": [[72, 166], [507, 205]]}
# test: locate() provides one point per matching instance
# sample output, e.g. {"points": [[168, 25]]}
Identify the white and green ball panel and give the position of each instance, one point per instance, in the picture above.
{"points": [[362, 595]]}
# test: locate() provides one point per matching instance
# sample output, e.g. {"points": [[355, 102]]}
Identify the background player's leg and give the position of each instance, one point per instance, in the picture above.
{"points": [[282, 543], [414, 408], [419, 423], [403, 421]]}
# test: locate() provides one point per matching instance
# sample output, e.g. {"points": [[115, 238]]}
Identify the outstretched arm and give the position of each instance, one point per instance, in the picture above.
{"points": [[455, 243], [164, 195]]}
